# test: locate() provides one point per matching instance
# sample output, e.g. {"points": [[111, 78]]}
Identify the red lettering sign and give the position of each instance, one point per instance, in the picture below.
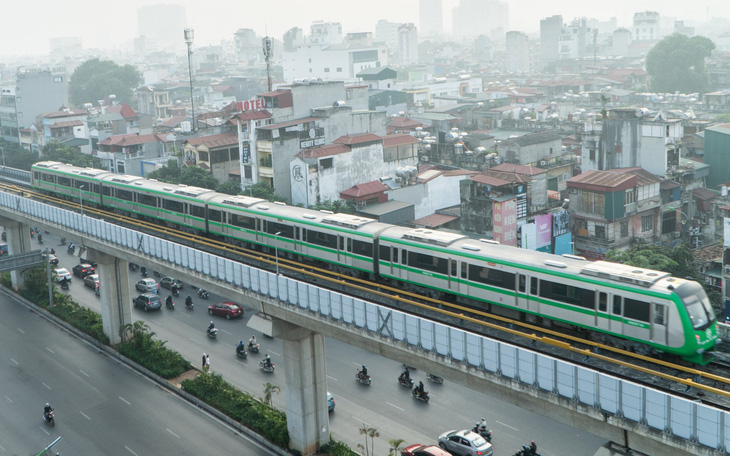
{"points": [[250, 105]]}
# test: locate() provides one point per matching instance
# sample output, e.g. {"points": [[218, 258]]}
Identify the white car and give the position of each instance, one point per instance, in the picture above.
{"points": [[465, 443], [62, 273], [147, 286]]}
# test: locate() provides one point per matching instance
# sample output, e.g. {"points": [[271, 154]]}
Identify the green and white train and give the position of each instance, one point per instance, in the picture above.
{"points": [[631, 307]]}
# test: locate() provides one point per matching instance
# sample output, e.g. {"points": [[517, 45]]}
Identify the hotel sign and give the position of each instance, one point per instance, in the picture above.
{"points": [[251, 105]]}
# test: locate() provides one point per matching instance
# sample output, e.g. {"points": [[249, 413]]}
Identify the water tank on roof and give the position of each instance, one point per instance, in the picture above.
{"points": [[339, 103]]}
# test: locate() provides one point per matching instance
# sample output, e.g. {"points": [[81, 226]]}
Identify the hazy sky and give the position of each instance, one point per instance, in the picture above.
{"points": [[28, 25]]}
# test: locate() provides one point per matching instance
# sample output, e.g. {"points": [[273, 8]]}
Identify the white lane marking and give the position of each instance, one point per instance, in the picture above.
{"points": [[507, 425], [357, 364], [332, 378], [43, 428], [50, 350], [124, 400], [84, 373], [358, 419], [2, 448], [172, 433], [226, 332], [11, 359], [393, 405], [23, 332], [190, 338], [130, 450], [9, 400], [85, 416], [277, 354], [46, 385]]}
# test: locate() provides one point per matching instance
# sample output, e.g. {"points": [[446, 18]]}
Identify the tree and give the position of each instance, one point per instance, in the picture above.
{"points": [[96, 79], [232, 187], [15, 156], [198, 177], [394, 446], [677, 63], [169, 173], [54, 151], [371, 433], [269, 391], [723, 118]]}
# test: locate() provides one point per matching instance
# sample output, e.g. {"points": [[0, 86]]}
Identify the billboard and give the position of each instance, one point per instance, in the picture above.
{"points": [[505, 221], [726, 224], [561, 223], [544, 232]]}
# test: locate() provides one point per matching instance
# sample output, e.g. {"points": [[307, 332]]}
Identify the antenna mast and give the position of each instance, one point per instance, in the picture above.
{"points": [[268, 54]]}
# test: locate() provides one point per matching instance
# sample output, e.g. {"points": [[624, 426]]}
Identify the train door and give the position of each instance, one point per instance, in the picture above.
{"points": [[616, 324], [659, 325], [522, 301], [453, 275], [341, 253], [602, 320]]}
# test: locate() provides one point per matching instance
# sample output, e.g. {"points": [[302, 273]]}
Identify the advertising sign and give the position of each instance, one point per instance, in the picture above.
{"points": [[505, 222], [544, 232], [250, 105]]}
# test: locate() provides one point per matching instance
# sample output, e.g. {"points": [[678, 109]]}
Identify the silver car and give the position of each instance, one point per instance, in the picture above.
{"points": [[465, 443], [147, 286]]}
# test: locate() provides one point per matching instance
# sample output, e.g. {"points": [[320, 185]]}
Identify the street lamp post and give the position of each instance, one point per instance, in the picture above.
{"points": [[189, 41]]}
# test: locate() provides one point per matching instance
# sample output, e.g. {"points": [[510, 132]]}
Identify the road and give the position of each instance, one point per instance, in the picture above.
{"points": [[384, 405], [102, 407]]}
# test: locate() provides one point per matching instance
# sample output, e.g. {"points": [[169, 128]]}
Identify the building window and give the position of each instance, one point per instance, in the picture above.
{"points": [[326, 70], [58, 79], [592, 154], [310, 60], [325, 163], [594, 202], [600, 232], [647, 223], [630, 196], [247, 172], [310, 70], [624, 229], [339, 69]]}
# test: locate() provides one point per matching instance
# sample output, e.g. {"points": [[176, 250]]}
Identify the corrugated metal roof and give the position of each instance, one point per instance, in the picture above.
{"points": [[364, 189], [602, 180], [223, 139], [534, 138], [519, 169], [704, 194], [398, 140], [324, 151], [434, 220], [357, 139], [643, 177], [489, 180]]}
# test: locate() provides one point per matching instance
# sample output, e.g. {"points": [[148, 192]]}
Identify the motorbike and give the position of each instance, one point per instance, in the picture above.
{"points": [[405, 381], [212, 333], [434, 378], [254, 348], [189, 302], [157, 274], [486, 433], [175, 291], [133, 266], [420, 396], [267, 368], [64, 284], [526, 450], [143, 270], [169, 303], [364, 379], [48, 418], [63, 241], [241, 353], [71, 248], [202, 293], [40, 239], [5, 236]]}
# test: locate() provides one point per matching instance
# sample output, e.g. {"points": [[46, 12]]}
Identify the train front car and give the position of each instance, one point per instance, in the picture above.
{"points": [[698, 323]]}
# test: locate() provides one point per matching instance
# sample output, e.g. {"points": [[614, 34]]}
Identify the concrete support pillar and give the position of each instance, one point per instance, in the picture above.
{"points": [[18, 242], [305, 387], [116, 304]]}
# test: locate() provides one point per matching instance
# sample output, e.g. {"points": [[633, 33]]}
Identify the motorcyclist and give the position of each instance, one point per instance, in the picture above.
{"points": [[168, 301], [532, 449], [40, 238], [363, 372], [267, 360], [252, 341], [482, 426], [405, 375], [188, 301], [64, 283], [419, 389], [240, 348], [47, 409], [211, 326], [143, 270], [53, 251]]}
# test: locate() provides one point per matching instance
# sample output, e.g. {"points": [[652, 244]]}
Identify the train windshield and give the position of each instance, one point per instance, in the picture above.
{"points": [[699, 310]]}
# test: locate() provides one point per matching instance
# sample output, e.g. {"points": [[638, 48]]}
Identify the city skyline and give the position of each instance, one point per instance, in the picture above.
{"points": [[116, 25]]}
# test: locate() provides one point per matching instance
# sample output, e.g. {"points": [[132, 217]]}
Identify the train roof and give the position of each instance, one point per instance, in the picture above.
{"points": [[236, 200], [151, 185], [63, 168]]}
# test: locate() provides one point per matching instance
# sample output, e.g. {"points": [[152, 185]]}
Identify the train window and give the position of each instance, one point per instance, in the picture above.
{"points": [[147, 200], [173, 206], [522, 283], [395, 255], [197, 211], [296, 232], [616, 305], [568, 294], [492, 276], [283, 230], [464, 269], [636, 310], [404, 258], [65, 181], [342, 244], [428, 262], [323, 239], [533, 286], [602, 301], [48, 177], [106, 191], [243, 221], [79, 184], [384, 253], [214, 216], [125, 195], [362, 248], [36, 176], [454, 269], [95, 188], [659, 314]]}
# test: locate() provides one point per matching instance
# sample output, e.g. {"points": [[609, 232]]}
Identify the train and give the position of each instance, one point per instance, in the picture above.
{"points": [[634, 308]]}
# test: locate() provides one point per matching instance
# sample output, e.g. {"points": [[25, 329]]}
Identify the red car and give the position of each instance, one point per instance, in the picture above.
{"points": [[424, 450], [226, 309]]}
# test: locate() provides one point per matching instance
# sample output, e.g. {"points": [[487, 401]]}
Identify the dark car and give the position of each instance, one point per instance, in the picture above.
{"points": [[169, 282], [226, 309], [83, 269], [86, 260], [91, 281], [53, 259], [147, 301], [424, 450]]}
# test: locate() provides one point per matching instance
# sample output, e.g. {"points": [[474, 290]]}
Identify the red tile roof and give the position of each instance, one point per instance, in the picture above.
{"points": [[602, 181], [357, 139], [434, 220], [127, 112], [173, 121], [403, 122], [223, 139], [367, 188], [70, 123], [324, 151], [129, 140], [528, 170], [398, 140]]}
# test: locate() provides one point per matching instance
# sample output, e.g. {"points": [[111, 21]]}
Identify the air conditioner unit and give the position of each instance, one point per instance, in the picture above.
{"points": [[727, 269], [543, 162]]}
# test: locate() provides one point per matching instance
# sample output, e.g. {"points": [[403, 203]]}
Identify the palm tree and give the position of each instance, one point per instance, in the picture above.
{"points": [[137, 331], [394, 446], [269, 391], [372, 433]]}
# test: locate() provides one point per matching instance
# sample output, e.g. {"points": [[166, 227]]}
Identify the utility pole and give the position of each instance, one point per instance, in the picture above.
{"points": [[189, 41], [268, 54]]}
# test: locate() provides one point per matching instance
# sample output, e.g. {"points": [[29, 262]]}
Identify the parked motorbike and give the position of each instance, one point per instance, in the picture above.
{"points": [[202, 293], [420, 396], [49, 418], [405, 381], [486, 433], [364, 379], [434, 378], [189, 302], [254, 348], [157, 274], [269, 369], [63, 241], [212, 333]]}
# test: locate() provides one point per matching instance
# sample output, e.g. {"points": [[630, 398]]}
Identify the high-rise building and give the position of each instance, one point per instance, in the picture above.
{"points": [[517, 55], [325, 33], [473, 18], [407, 44], [646, 26], [550, 30], [387, 32], [162, 26], [431, 17], [573, 40]]}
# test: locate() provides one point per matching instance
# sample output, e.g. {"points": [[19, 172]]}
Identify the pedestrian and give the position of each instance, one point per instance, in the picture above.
{"points": [[203, 366], [207, 363]]}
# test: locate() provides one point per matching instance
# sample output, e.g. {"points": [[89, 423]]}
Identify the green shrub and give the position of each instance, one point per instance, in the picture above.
{"points": [[242, 407], [337, 448], [142, 348]]}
